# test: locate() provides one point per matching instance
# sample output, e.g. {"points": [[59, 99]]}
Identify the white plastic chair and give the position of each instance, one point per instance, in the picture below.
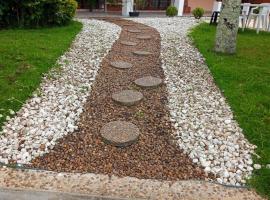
{"points": [[244, 15], [217, 6], [268, 18], [262, 18], [215, 12]]}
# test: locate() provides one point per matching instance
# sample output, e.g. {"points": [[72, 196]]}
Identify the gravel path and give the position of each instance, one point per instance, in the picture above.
{"points": [[152, 156], [197, 114], [54, 109], [205, 128]]}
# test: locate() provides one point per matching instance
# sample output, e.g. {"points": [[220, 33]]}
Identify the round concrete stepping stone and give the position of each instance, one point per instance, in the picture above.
{"points": [[120, 133], [134, 31], [127, 97], [148, 82], [128, 43], [121, 65], [144, 37], [142, 53]]}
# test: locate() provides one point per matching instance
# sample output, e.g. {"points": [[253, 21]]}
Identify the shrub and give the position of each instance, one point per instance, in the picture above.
{"points": [[171, 11], [198, 13], [34, 13], [59, 12]]}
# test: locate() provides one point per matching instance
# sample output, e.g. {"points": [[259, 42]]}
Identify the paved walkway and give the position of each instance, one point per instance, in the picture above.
{"points": [[96, 185], [18, 194]]}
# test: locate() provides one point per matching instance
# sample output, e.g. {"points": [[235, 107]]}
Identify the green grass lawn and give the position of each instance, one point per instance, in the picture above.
{"points": [[245, 80], [25, 55]]}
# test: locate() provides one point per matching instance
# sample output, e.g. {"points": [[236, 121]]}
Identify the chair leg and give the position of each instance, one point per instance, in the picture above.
{"points": [[216, 17], [267, 23], [263, 23], [244, 23], [254, 22], [258, 24], [212, 17], [248, 22]]}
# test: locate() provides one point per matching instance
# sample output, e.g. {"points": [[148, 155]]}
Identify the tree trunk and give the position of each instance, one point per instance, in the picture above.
{"points": [[228, 27]]}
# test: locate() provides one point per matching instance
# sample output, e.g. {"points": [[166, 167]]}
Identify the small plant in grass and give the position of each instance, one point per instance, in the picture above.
{"points": [[133, 87], [171, 11], [83, 89], [37, 93], [198, 13], [139, 114]]}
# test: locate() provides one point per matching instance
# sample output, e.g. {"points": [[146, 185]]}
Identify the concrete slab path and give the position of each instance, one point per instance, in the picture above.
{"points": [[16, 194], [100, 187]]}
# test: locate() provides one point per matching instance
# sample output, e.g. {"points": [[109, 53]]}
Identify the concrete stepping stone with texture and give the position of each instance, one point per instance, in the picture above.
{"points": [[142, 53], [120, 133], [134, 31], [144, 37], [148, 82], [127, 97], [128, 43], [121, 65]]}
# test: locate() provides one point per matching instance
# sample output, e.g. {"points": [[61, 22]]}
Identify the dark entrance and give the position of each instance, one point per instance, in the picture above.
{"points": [[140, 4], [152, 4], [83, 4]]}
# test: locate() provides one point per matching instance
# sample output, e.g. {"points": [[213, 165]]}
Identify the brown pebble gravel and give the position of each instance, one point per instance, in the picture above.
{"points": [[154, 155]]}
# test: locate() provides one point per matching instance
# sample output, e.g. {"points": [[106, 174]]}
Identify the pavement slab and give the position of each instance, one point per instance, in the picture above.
{"points": [[104, 186]]}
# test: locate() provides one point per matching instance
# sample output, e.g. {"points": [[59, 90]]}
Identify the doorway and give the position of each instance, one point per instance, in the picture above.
{"points": [[152, 4]]}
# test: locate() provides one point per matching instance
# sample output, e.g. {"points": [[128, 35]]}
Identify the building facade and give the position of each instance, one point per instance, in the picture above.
{"points": [[188, 5]]}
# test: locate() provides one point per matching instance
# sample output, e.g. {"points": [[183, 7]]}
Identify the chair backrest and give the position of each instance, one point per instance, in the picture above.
{"points": [[246, 9], [217, 6], [264, 8]]}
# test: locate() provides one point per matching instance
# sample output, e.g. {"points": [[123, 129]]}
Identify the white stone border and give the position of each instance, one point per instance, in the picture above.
{"points": [[205, 128], [54, 109]]}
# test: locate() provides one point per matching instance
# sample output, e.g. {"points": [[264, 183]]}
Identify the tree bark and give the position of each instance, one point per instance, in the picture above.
{"points": [[228, 27]]}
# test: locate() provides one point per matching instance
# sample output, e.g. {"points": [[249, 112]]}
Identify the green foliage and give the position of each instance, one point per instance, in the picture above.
{"points": [[35, 13], [112, 2], [78, 3], [171, 11], [139, 114], [244, 81], [198, 13], [92, 4]]}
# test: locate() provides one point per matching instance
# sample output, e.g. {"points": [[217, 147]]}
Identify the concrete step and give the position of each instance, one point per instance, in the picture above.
{"points": [[11, 194]]}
